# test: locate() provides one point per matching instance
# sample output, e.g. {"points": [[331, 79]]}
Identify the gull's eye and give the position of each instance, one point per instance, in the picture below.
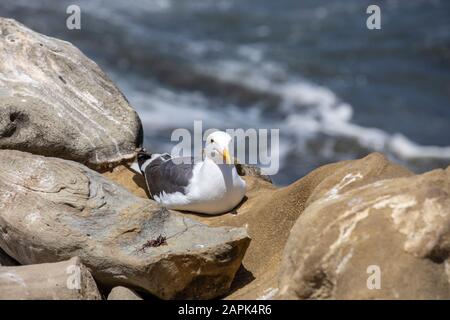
{"points": [[212, 140]]}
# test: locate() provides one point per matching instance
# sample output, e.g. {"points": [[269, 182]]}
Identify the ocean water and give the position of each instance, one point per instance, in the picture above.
{"points": [[310, 68]]}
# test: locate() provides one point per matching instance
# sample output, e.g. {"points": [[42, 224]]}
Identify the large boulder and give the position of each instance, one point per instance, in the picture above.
{"points": [[52, 209], [66, 280], [371, 232], [55, 101]]}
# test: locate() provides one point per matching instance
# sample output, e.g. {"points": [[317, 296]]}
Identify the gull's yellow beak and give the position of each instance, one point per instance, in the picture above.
{"points": [[226, 157]]}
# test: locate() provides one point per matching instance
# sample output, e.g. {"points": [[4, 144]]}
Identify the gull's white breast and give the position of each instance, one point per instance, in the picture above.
{"points": [[213, 189]]}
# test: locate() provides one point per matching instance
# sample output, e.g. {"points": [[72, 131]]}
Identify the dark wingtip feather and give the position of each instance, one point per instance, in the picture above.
{"points": [[143, 156]]}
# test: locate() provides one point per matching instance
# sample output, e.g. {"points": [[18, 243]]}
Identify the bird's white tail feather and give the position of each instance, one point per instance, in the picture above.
{"points": [[135, 167]]}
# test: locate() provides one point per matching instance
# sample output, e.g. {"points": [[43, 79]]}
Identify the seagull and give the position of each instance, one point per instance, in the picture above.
{"points": [[211, 186]]}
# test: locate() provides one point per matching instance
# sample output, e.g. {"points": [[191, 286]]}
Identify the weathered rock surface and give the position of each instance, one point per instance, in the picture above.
{"points": [[6, 260], [52, 209], [122, 293], [128, 179], [371, 230], [55, 101], [66, 280]]}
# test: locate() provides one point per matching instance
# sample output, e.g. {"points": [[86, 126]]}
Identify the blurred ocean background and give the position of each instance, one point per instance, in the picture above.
{"points": [[311, 68]]}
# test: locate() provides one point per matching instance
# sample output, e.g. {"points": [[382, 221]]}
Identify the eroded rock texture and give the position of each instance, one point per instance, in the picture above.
{"points": [[55, 101], [66, 280], [52, 209]]}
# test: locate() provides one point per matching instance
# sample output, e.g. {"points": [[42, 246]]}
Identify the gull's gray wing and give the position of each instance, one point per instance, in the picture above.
{"points": [[168, 175]]}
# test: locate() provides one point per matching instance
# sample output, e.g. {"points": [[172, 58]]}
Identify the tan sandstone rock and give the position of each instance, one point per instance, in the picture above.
{"points": [[66, 280], [52, 209], [122, 293], [55, 101], [371, 232]]}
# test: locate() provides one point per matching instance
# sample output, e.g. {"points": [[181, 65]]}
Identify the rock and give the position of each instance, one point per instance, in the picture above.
{"points": [[344, 175], [122, 293], [6, 260], [66, 280], [55, 101], [371, 230], [52, 209], [127, 178]]}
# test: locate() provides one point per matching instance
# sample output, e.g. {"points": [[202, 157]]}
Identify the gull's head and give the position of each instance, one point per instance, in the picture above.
{"points": [[217, 147]]}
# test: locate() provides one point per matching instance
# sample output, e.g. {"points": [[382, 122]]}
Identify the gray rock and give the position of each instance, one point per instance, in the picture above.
{"points": [[55, 101], [6, 260], [66, 280], [122, 293], [52, 209]]}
